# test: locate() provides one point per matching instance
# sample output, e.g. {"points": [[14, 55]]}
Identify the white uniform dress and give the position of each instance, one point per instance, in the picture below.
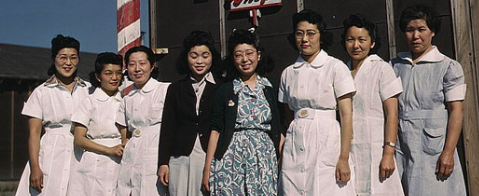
{"points": [[375, 82], [141, 111], [97, 174], [54, 105], [313, 140]]}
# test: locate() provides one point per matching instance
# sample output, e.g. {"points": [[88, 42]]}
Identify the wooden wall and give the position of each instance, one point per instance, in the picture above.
{"points": [[460, 25]]}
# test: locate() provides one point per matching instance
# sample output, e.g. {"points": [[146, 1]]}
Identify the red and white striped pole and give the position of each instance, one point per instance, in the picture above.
{"points": [[128, 24]]}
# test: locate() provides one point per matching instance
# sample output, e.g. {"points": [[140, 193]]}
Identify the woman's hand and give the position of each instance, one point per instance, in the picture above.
{"points": [[386, 167], [116, 150], [163, 174], [205, 182], [343, 173], [36, 179], [445, 165]]}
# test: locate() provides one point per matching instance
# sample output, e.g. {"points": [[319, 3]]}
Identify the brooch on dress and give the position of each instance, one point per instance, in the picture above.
{"points": [[231, 103]]}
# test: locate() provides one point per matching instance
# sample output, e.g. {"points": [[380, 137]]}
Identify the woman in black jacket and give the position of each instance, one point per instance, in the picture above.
{"points": [[244, 143], [185, 128]]}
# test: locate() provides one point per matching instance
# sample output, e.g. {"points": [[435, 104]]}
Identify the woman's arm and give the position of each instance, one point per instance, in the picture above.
{"points": [[36, 174], [212, 143], [387, 165], [81, 140], [346, 115], [445, 163]]}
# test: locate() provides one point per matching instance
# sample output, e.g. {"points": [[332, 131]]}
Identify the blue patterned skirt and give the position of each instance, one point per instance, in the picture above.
{"points": [[249, 166]]}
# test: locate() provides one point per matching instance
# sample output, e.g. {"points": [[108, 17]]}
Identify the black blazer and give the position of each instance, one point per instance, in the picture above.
{"points": [[180, 124], [225, 109]]}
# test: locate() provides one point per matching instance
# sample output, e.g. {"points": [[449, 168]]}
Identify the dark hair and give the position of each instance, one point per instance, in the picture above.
{"points": [[198, 38], [420, 11], [315, 18], [243, 36], [150, 55], [59, 42], [358, 20], [103, 59]]}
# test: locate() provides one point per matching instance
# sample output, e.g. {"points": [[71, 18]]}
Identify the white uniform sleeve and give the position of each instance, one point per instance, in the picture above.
{"points": [[121, 114], [389, 84], [33, 106], [82, 114], [282, 94], [343, 81]]}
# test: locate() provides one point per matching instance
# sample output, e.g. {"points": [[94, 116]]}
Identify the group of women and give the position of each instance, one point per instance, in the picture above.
{"points": [[220, 130]]}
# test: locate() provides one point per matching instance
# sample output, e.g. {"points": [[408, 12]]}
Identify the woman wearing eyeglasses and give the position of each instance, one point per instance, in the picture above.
{"points": [[244, 141], [50, 107], [316, 148]]}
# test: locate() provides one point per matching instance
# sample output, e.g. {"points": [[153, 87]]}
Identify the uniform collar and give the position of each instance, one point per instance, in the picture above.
{"points": [[432, 56], [100, 95], [53, 81], [318, 61], [149, 86], [208, 77]]}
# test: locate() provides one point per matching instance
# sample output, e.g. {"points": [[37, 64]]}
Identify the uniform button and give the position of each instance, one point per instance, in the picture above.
{"points": [[301, 192], [136, 109], [302, 169], [301, 149], [302, 86], [196, 124]]}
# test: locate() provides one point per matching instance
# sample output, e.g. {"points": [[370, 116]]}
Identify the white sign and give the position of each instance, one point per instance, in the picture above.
{"points": [[238, 5]]}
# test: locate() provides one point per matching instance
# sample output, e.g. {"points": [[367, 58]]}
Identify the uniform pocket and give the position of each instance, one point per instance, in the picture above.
{"points": [[331, 145], [433, 140], [155, 113]]}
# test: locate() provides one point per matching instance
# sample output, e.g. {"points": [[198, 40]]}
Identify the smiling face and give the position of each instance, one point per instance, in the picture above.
{"points": [[66, 63], [199, 61], [246, 58], [110, 78], [358, 43], [139, 68], [419, 37], [307, 37]]}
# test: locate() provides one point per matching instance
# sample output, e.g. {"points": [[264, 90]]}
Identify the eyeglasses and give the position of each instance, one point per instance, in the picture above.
{"points": [[240, 54], [301, 34], [64, 58]]}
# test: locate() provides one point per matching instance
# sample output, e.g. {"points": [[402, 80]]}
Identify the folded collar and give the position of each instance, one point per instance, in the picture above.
{"points": [[53, 81], [318, 62], [149, 86], [432, 56], [100, 95]]}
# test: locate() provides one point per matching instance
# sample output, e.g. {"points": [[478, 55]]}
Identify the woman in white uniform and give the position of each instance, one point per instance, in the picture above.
{"points": [[140, 113], [375, 111], [431, 109], [96, 132], [316, 149], [185, 129], [50, 107]]}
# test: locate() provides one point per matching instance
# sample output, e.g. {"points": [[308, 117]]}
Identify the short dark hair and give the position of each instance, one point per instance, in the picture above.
{"points": [[420, 11], [150, 55], [358, 20], [243, 36], [103, 59], [59, 42], [198, 38], [315, 18]]}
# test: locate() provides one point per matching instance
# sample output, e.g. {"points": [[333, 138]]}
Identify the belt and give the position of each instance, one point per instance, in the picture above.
{"points": [[137, 132], [423, 114], [309, 113], [58, 130]]}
